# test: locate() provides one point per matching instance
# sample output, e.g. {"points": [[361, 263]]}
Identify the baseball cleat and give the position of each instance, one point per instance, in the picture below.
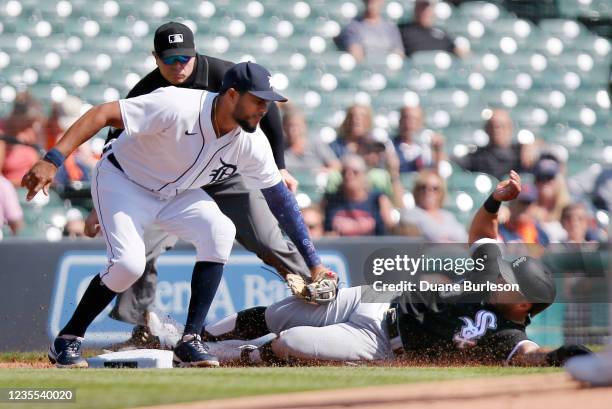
{"points": [[142, 338], [595, 369], [191, 351], [66, 353]]}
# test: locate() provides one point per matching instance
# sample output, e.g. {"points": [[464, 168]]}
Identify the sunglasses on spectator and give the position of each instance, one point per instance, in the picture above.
{"points": [[428, 188], [183, 59]]}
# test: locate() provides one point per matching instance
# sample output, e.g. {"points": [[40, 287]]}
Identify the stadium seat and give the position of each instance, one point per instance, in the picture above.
{"points": [[482, 10], [343, 11]]}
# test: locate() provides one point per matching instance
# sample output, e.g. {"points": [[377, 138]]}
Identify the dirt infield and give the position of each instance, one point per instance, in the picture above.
{"points": [[36, 365], [529, 391]]}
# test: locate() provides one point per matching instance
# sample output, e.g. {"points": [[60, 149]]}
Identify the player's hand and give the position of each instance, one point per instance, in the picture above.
{"points": [[508, 189], [92, 226], [317, 271], [322, 272], [39, 177], [323, 286], [289, 180], [559, 356]]}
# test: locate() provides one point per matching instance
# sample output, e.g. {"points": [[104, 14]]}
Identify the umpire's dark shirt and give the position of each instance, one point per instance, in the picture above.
{"points": [[493, 160], [418, 38], [208, 75]]}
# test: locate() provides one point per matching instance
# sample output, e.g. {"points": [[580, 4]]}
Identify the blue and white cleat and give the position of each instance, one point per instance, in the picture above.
{"points": [[191, 351], [66, 353]]}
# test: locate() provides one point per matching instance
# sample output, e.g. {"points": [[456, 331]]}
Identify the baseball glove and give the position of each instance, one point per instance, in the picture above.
{"points": [[321, 290]]}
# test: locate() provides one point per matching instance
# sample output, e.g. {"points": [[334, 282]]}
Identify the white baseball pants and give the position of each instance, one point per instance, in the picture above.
{"points": [[125, 209]]}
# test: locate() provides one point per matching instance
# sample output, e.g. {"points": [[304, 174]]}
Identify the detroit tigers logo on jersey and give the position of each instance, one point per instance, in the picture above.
{"points": [[222, 172], [472, 331]]}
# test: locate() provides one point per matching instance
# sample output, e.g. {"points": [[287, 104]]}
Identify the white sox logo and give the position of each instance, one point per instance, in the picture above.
{"points": [[471, 332], [223, 172]]}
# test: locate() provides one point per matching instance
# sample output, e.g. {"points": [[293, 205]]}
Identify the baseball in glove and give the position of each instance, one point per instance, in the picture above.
{"points": [[321, 290]]}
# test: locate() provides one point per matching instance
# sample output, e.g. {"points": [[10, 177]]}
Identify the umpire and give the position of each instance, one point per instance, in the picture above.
{"points": [[257, 230]]}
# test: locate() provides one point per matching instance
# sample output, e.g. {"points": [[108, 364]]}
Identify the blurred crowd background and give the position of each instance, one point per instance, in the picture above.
{"points": [[403, 115]]}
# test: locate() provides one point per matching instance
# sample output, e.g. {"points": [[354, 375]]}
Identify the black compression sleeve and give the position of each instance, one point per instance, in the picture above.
{"points": [[272, 126]]}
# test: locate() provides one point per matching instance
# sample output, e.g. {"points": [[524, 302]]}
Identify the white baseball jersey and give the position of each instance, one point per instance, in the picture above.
{"points": [[169, 145]]}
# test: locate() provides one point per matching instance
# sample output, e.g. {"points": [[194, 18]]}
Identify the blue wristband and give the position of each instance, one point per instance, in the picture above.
{"points": [[55, 157]]}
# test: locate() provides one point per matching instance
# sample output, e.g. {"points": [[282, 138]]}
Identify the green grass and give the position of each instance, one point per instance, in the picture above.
{"points": [[116, 388]]}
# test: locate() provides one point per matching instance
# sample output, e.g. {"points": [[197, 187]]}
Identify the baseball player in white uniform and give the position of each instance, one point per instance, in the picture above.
{"points": [[174, 142]]}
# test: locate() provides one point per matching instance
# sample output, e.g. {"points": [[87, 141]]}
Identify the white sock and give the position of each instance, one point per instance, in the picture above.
{"points": [[67, 336]]}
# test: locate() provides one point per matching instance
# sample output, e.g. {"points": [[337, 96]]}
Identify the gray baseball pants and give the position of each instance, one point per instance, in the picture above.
{"points": [[344, 330], [257, 230]]}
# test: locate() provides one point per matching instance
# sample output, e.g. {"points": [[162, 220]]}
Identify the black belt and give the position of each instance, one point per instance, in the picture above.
{"points": [[112, 159]]}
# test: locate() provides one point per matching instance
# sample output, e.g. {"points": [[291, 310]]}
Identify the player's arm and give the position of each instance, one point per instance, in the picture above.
{"points": [[285, 208], [530, 354], [259, 171], [42, 173], [485, 223]]}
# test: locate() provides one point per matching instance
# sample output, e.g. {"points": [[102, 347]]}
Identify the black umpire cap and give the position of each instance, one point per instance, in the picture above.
{"points": [[174, 39], [252, 78]]}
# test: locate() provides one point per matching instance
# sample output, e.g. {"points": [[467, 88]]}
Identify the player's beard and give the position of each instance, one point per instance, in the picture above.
{"points": [[245, 125]]}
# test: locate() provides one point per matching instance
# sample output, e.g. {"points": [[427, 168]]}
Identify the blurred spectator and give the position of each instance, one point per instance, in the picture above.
{"points": [[576, 221], [521, 226], [552, 197], [594, 184], [300, 154], [21, 137], [356, 127], [355, 210], [355, 136], [75, 224], [383, 169], [79, 165], [579, 288], [313, 217], [421, 35], [428, 218], [370, 35], [500, 155], [10, 210], [414, 154], [602, 191]]}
